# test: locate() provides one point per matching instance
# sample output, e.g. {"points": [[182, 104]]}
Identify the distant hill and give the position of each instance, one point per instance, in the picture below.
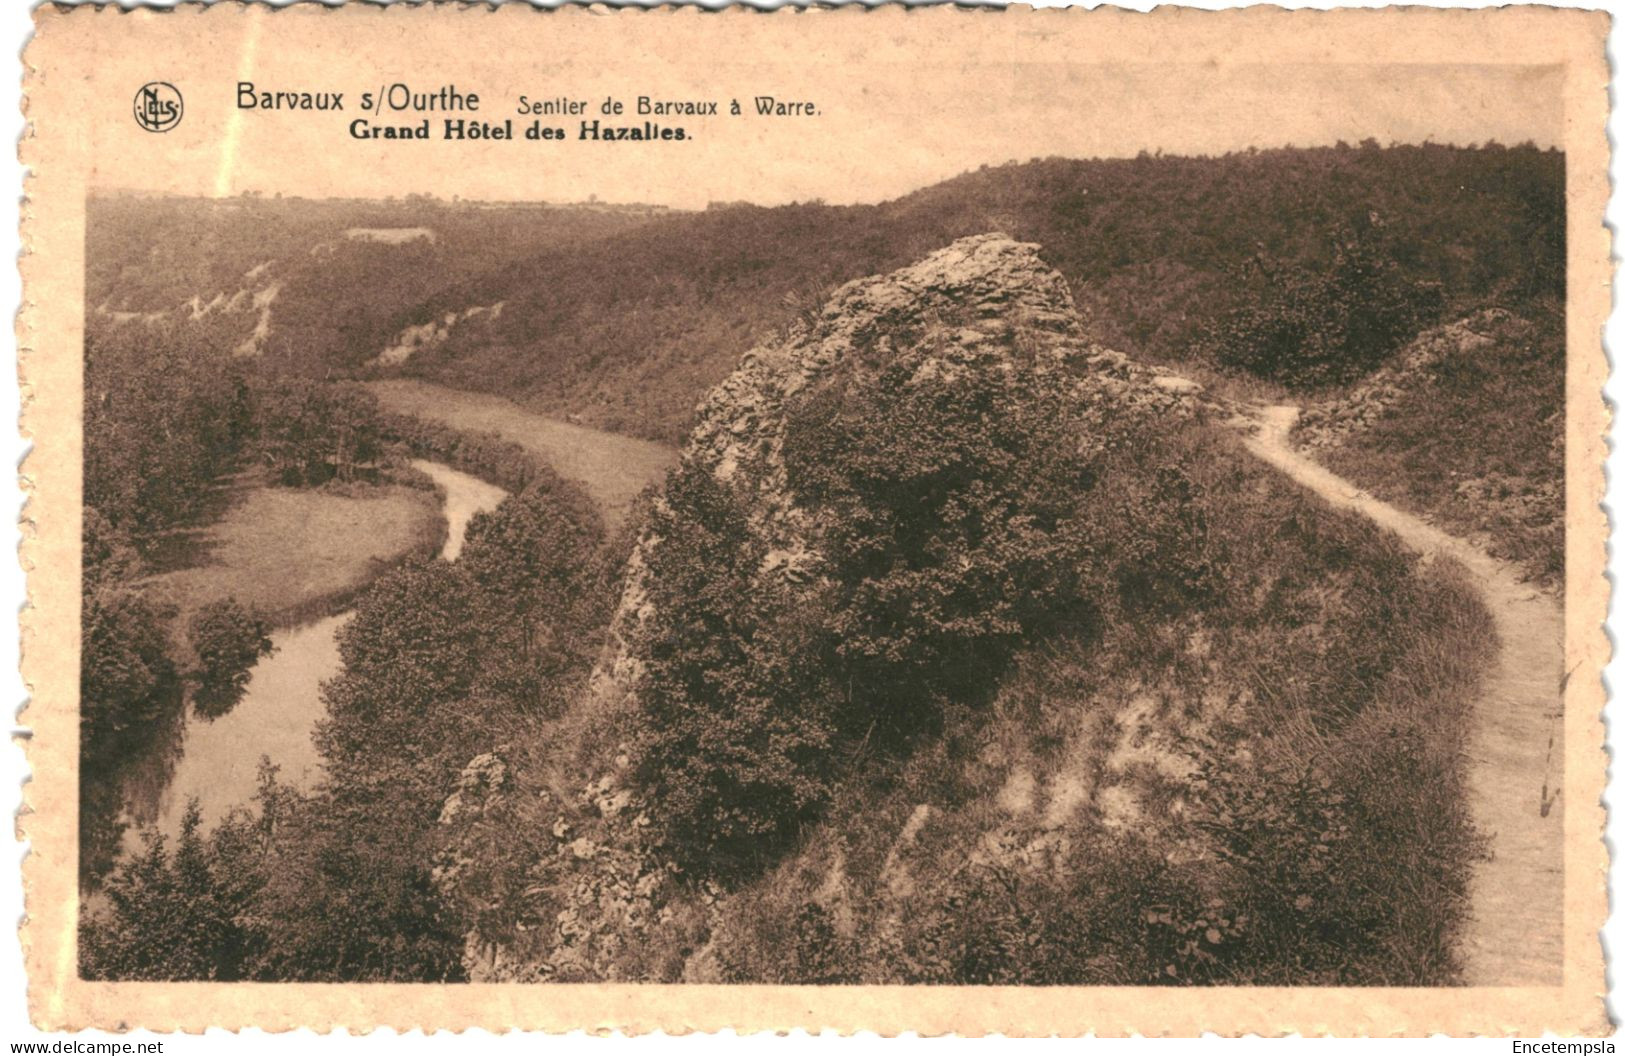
{"points": [[627, 331], [622, 317], [312, 284]]}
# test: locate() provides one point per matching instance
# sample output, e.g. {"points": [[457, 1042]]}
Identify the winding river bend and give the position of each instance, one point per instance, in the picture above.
{"points": [[216, 761]]}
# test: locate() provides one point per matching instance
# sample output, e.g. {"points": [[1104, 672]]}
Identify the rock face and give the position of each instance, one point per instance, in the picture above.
{"points": [[600, 887], [998, 293]]}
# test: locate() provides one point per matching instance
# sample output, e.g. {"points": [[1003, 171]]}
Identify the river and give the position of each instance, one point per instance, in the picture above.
{"points": [[217, 760]]}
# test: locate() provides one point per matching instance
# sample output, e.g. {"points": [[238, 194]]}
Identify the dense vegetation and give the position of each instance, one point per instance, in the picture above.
{"points": [[1265, 765], [442, 661], [1313, 329], [227, 639], [628, 330], [623, 318], [1259, 706]]}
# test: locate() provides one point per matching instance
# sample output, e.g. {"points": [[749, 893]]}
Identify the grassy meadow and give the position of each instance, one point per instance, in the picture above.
{"points": [[296, 554]]}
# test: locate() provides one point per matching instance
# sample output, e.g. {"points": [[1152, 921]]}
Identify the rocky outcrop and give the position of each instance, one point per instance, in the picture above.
{"points": [[598, 886], [1330, 423], [980, 300]]}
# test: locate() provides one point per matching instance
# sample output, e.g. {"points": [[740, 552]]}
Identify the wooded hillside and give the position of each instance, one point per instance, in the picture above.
{"points": [[627, 331]]}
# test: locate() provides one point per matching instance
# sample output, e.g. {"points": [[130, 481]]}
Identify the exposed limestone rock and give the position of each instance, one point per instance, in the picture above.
{"points": [[1003, 299], [483, 776], [428, 336], [600, 901]]}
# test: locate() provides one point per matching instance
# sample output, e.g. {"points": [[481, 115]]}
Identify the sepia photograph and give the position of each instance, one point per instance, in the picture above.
{"points": [[863, 594], [1071, 553]]}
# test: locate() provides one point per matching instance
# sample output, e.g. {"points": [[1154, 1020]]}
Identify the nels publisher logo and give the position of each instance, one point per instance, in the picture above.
{"points": [[158, 106]]}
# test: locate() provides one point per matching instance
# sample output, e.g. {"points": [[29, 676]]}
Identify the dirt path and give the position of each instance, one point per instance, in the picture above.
{"points": [[1514, 936]]}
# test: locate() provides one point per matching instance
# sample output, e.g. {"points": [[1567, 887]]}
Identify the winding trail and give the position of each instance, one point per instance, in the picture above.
{"points": [[1514, 935]]}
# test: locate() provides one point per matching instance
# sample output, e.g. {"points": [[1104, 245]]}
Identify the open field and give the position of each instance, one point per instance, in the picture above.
{"points": [[612, 468], [294, 554]]}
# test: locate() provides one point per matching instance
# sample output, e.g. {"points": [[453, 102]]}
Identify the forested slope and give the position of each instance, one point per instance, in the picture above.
{"points": [[317, 284], [628, 330]]}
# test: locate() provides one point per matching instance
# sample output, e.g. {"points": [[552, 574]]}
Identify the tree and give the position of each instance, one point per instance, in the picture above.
{"points": [[735, 717], [228, 639], [168, 918], [310, 432], [348, 892], [533, 562], [165, 414], [126, 679], [107, 555], [410, 656]]}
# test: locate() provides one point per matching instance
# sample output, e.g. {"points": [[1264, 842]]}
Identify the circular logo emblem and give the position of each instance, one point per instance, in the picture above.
{"points": [[158, 106]]}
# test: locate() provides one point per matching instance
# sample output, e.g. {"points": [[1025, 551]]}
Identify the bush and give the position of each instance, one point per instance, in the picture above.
{"points": [[735, 716], [957, 501], [533, 562], [485, 455], [107, 555], [228, 639], [1308, 328]]}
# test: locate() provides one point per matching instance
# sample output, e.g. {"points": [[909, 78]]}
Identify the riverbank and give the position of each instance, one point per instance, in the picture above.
{"points": [[215, 760], [613, 469]]}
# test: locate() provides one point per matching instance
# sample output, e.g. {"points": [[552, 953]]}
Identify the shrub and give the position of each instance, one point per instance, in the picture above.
{"points": [[966, 509], [735, 717], [1322, 838], [107, 555], [1308, 328], [486, 455], [956, 500]]}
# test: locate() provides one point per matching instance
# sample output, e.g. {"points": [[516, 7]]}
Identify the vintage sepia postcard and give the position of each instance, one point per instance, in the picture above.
{"points": [[941, 520]]}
